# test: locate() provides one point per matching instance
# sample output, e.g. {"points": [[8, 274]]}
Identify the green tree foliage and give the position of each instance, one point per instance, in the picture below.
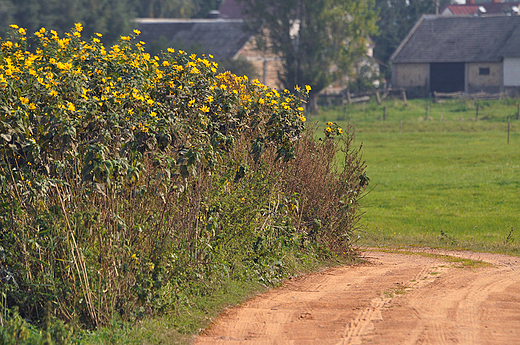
{"points": [[175, 8], [396, 19], [318, 40], [112, 18], [165, 8]]}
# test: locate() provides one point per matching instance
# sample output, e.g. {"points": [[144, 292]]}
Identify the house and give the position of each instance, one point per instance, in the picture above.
{"points": [[459, 53], [225, 39], [471, 9]]}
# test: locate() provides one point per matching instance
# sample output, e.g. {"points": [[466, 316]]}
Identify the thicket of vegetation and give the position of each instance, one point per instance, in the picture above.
{"points": [[129, 182]]}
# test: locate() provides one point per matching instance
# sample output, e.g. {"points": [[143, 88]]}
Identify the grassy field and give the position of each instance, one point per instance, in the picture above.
{"points": [[453, 183]]}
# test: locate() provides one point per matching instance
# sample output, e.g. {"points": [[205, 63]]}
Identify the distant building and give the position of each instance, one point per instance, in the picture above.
{"points": [[473, 7], [225, 39], [225, 36], [459, 53]]}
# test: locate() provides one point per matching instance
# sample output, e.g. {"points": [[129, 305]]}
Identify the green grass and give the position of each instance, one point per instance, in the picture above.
{"points": [[453, 184]]}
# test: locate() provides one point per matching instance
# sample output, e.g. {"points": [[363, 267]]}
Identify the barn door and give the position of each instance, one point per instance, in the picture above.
{"points": [[447, 77]]}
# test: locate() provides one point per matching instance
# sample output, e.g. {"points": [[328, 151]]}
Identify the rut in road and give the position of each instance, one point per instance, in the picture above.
{"points": [[396, 298]]}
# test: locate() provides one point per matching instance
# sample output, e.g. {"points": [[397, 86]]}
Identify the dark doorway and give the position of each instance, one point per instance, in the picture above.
{"points": [[447, 77]]}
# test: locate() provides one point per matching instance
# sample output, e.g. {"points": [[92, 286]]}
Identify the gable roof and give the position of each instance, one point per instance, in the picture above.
{"points": [[490, 7], [222, 38], [460, 39], [461, 10]]}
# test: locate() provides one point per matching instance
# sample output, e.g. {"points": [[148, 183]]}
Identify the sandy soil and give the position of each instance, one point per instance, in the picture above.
{"points": [[395, 298]]}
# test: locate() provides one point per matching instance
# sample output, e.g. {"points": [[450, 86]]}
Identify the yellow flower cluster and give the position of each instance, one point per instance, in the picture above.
{"points": [[333, 129], [68, 81]]}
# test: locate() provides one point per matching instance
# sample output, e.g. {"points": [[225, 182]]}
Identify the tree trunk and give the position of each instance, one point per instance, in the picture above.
{"points": [[312, 104]]}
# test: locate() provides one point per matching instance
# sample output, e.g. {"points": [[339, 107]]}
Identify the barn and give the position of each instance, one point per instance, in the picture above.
{"points": [[467, 54]]}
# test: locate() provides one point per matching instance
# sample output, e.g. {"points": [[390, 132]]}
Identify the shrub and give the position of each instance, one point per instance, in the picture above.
{"points": [[128, 182]]}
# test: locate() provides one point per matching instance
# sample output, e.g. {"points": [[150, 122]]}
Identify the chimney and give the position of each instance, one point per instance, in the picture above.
{"points": [[471, 2]]}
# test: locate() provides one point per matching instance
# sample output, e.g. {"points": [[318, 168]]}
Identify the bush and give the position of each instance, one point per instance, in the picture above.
{"points": [[129, 182]]}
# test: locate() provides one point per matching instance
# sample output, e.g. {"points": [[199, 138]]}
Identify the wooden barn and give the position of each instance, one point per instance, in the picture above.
{"points": [[467, 54]]}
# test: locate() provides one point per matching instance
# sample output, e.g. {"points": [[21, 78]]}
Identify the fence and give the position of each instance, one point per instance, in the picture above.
{"points": [[346, 97]]}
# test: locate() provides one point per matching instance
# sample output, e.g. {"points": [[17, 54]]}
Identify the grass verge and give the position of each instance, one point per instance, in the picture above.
{"points": [[452, 183]]}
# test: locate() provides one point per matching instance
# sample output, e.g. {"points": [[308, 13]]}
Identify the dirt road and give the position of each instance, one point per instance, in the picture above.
{"points": [[395, 299]]}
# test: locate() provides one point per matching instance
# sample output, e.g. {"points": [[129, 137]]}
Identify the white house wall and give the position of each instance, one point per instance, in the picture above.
{"points": [[511, 72]]}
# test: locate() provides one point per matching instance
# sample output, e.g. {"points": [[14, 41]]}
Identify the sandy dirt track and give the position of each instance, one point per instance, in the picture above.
{"points": [[395, 298]]}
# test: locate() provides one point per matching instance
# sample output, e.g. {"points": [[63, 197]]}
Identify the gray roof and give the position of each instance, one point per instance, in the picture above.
{"points": [[222, 38], [460, 39]]}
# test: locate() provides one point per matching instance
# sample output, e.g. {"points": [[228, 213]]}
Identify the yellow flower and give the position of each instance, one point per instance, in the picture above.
{"points": [[13, 26], [303, 119], [299, 108], [297, 88], [32, 106], [329, 123], [78, 27], [22, 31], [328, 129], [340, 130], [137, 32], [153, 113], [171, 50], [125, 38], [261, 101], [308, 88], [190, 103], [98, 34], [24, 100], [71, 107], [165, 63], [204, 109]]}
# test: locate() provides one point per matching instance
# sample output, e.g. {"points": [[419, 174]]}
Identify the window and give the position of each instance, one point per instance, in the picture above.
{"points": [[483, 71]]}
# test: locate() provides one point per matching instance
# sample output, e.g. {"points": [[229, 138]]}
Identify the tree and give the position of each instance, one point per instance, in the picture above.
{"points": [[111, 18], [165, 8], [318, 40], [175, 8], [396, 19]]}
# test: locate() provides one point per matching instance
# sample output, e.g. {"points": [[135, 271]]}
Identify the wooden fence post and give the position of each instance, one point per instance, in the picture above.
{"points": [[349, 99], [378, 97], [476, 116], [508, 129], [384, 113], [404, 96], [427, 110]]}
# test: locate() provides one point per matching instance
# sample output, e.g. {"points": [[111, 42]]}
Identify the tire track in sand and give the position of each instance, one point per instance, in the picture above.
{"points": [[397, 299]]}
